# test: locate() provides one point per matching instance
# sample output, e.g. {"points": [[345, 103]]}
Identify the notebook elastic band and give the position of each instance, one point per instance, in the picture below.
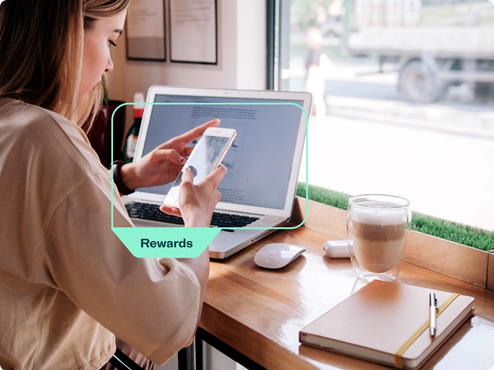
{"points": [[423, 327]]}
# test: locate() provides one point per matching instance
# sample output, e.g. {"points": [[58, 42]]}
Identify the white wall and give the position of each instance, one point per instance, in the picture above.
{"points": [[251, 44], [241, 58]]}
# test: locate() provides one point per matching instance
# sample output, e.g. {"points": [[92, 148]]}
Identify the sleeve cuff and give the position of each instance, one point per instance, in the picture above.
{"points": [[117, 179]]}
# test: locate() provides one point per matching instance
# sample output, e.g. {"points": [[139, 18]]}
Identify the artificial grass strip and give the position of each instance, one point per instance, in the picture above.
{"points": [[463, 234], [458, 233], [325, 196]]}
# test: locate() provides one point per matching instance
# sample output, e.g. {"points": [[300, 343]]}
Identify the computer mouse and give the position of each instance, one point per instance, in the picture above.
{"points": [[277, 255]]}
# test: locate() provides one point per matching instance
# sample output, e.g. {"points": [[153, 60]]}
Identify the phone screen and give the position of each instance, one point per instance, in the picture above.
{"points": [[202, 161]]}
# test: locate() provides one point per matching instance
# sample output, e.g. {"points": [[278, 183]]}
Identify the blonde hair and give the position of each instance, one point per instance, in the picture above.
{"points": [[41, 44]]}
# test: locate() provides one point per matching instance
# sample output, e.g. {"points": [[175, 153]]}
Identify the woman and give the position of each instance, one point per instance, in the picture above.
{"points": [[68, 286]]}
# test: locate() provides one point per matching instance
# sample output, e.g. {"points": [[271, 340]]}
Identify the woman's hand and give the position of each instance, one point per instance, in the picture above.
{"points": [[197, 202], [164, 163]]}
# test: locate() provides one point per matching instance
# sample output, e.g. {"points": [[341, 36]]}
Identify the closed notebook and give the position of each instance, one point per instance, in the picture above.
{"points": [[380, 322]]}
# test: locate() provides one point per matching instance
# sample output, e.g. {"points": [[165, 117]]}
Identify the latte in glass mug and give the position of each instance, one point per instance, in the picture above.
{"points": [[379, 233]]}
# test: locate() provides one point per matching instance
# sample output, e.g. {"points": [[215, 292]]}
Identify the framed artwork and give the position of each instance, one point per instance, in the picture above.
{"points": [[145, 30], [193, 31]]}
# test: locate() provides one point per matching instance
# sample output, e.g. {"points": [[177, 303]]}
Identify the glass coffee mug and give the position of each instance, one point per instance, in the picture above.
{"points": [[378, 227]]}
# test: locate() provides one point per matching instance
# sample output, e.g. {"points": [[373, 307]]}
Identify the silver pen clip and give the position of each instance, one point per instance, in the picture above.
{"points": [[432, 313]]}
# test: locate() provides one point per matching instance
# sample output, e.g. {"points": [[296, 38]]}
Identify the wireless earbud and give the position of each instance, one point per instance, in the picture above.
{"points": [[336, 248]]}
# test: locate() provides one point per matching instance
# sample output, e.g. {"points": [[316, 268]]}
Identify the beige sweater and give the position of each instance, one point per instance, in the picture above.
{"points": [[67, 283]]}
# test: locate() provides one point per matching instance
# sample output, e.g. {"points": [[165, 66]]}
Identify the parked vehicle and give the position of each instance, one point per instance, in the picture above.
{"points": [[429, 58]]}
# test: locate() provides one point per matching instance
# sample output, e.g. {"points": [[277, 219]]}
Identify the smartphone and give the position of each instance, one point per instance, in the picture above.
{"points": [[204, 159]]}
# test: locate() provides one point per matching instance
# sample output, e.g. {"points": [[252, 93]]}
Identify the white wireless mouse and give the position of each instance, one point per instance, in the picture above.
{"points": [[277, 255]]}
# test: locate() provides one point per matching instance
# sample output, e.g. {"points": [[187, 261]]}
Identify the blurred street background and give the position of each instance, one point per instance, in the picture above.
{"points": [[403, 100]]}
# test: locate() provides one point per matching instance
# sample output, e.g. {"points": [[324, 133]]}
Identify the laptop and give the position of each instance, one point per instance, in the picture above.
{"points": [[263, 162]]}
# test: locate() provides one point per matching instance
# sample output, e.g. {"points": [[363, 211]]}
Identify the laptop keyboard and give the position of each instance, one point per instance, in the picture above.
{"points": [[147, 211]]}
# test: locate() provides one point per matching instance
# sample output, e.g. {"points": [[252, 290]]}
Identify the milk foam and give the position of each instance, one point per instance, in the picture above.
{"points": [[378, 213]]}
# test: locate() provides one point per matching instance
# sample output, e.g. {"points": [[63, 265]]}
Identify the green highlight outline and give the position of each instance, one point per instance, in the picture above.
{"points": [[225, 228]]}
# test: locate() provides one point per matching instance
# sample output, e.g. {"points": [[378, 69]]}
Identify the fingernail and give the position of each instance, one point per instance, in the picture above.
{"points": [[182, 160]]}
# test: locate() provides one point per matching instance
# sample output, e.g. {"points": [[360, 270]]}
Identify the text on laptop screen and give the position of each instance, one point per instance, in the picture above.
{"points": [[260, 160]]}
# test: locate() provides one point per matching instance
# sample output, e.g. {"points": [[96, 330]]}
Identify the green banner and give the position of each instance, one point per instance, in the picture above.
{"points": [[166, 242]]}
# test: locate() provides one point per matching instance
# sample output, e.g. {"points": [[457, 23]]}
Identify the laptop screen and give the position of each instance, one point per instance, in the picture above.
{"points": [[260, 160]]}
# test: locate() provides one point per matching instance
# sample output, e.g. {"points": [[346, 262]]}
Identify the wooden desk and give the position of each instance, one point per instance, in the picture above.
{"points": [[259, 312]]}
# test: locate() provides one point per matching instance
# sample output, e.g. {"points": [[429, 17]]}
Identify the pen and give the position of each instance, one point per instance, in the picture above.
{"points": [[432, 313]]}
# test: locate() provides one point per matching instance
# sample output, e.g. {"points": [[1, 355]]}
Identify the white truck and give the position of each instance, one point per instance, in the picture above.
{"points": [[429, 58]]}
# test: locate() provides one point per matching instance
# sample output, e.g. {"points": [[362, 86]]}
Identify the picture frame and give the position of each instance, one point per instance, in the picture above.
{"points": [[193, 31], [146, 31]]}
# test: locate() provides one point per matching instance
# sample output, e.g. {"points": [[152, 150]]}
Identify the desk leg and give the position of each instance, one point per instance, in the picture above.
{"points": [[203, 335], [200, 353], [187, 357]]}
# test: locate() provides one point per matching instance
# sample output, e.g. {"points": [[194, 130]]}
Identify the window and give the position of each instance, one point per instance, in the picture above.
{"points": [[403, 95]]}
